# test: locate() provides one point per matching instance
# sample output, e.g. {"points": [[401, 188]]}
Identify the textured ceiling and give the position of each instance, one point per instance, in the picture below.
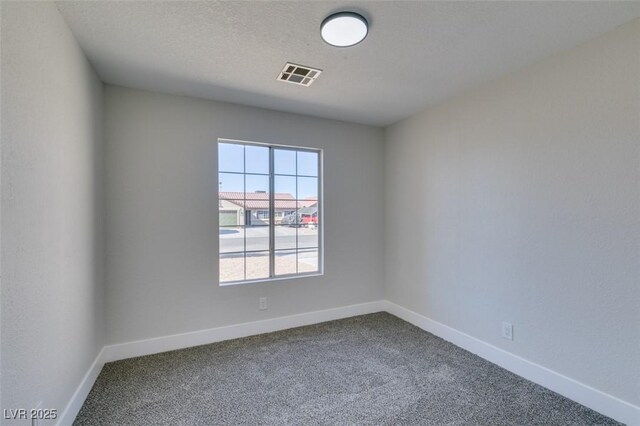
{"points": [[416, 53]]}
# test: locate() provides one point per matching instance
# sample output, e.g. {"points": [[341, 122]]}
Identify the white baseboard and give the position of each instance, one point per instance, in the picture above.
{"points": [[202, 337], [82, 391], [601, 402], [570, 388], [212, 335]]}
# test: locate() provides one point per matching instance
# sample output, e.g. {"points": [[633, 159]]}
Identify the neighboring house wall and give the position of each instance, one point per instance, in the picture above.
{"points": [[162, 214], [524, 206], [52, 206]]}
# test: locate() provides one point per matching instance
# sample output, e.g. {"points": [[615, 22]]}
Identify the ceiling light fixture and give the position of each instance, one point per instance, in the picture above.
{"points": [[344, 29]]}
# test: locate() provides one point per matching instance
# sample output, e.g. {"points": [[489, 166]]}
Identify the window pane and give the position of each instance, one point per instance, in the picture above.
{"points": [[307, 260], [230, 157], [257, 265], [284, 162], [260, 217], [308, 236], [228, 182], [308, 213], [229, 210], [293, 218], [256, 159], [287, 208], [257, 187], [231, 240], [285, 187], [285, 237], [307, 188], [257, 237], [285, 262], [307, 163], [231, 267]]}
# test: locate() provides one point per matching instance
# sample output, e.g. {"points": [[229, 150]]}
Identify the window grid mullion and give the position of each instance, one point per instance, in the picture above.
{"points": [[272, 215], [244, 204], [319, 215], [297, 218]]}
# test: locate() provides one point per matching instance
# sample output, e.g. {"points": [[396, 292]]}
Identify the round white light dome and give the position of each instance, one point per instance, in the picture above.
{"points": [[344, 29]]}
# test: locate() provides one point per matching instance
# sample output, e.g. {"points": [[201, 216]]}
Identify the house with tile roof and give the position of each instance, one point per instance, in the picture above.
{"points": [[252, 208]]}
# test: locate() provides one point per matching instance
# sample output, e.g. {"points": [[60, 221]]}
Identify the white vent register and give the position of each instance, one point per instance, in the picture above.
{"points": [[299, 74]]}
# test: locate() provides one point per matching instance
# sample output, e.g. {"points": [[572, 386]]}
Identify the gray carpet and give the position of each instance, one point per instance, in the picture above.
{"points": [[371, 369]]}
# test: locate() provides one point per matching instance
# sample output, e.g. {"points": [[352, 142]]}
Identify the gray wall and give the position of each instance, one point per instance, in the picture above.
{"points": [[161, 163], [51, 311], [525, 200]]}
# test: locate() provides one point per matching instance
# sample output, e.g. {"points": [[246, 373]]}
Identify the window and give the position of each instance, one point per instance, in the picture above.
{"points": [[270, 216]]}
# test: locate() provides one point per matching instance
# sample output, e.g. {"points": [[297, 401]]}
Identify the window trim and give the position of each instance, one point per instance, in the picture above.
{"points": [[272, 227]]}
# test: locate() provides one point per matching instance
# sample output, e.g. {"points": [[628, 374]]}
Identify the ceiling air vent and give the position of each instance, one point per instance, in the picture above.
{"points": [[298, 74]]}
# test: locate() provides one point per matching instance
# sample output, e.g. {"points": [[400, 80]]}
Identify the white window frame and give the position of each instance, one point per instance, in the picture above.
{"points": [[272, 250]]}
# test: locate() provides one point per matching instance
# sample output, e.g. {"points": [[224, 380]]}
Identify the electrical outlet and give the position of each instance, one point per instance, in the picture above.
{"points": [[507, 330], [262, 304]]}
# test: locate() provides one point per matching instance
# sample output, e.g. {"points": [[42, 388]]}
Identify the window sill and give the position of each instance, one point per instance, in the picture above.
{"points": [[267, 280]]}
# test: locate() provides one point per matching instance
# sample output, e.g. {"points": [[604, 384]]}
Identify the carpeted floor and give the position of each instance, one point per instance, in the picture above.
{"points": [[371, 369]]}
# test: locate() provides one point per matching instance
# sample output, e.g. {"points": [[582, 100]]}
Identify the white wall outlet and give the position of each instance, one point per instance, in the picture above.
{"points": [[507, 330], [262, 304]]}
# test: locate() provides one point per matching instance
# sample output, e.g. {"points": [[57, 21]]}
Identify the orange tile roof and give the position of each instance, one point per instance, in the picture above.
{"points": [[309, 201], [260, 200]]}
